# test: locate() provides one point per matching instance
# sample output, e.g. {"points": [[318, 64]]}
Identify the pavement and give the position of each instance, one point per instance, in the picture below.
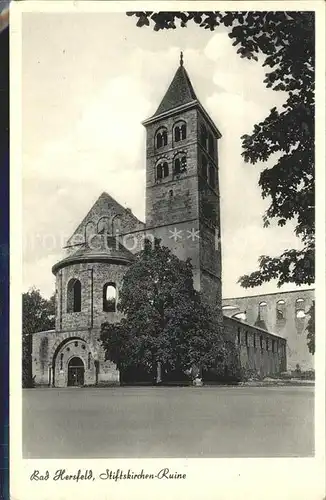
{"points": [[154, 422]]}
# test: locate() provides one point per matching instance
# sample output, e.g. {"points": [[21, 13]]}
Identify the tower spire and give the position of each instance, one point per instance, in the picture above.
{"points": [[181, 58]]}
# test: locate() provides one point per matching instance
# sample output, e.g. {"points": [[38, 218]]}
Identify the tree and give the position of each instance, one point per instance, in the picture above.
{"points": [[165, 323], [38, 315], [285, 41], [311, 329]]}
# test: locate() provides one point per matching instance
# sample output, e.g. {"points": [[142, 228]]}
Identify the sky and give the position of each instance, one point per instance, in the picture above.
{"points": [[88, 81]]}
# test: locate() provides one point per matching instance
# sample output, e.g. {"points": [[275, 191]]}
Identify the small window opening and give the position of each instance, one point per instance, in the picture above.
{"points": [[280, 310], [211, 175], [161, 138], [211, 145], [74, 296], [162, 170], [180, 165], [109, 297], [180, 132], [204, 166], [203, 136]]}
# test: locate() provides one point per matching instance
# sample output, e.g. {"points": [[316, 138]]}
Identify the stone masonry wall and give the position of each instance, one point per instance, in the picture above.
{"points": [[258, 350], [93, 277], [292, 328], [84, 345]]}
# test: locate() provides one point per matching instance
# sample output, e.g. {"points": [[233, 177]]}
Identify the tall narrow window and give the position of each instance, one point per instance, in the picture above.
{"points": [[247, 339], [74, 296], [180, 131], [61, 361], [261, 342], [299, 309], [211, 145], [204, 166], [262, 311], [267, 344], [165, 169], [211, 176], [254, 340], [89, 360], [280, 310], [239, 336], [162, 170], [109, 297], [203, 136], [161, 138], [159, 172], [273, 345], [180, 164]]}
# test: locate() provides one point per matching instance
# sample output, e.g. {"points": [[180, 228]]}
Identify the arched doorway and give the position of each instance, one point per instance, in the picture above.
{"points": [[76, 372]]}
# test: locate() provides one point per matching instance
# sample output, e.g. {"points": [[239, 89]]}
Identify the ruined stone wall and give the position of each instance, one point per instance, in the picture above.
{"points": [[279, 318], [258, 351]]}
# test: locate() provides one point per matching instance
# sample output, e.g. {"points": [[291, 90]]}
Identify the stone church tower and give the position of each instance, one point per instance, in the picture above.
{"points": [[182, 188], [183, 210]]}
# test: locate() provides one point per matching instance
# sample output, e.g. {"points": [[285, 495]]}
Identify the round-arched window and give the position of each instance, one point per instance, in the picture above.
{"points": [[109, 297], [74, 296], [180, 164], [162, 170], [161, 138], [180, 131]]}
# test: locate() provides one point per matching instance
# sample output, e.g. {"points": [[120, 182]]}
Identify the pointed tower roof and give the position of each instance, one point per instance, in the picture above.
{"points": [[180, 96], [180, 91]]}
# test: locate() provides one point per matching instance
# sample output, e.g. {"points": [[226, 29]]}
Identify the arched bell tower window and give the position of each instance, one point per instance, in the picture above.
{"points": [[203, 136], [180, 164], [161, 138], [109, 297], [211, 176], [74, 296], [162, 170], [180, 131]]}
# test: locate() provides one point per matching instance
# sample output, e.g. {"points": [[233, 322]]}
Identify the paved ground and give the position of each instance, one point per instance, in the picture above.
{"points": [[130, 422]]}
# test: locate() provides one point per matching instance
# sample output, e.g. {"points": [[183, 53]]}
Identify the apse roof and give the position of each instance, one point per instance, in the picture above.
{"points": [[102, 248]]}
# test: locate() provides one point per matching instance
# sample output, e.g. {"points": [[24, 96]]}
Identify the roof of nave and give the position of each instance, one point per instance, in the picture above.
{"points": [[248, 326], [101, 248]]}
